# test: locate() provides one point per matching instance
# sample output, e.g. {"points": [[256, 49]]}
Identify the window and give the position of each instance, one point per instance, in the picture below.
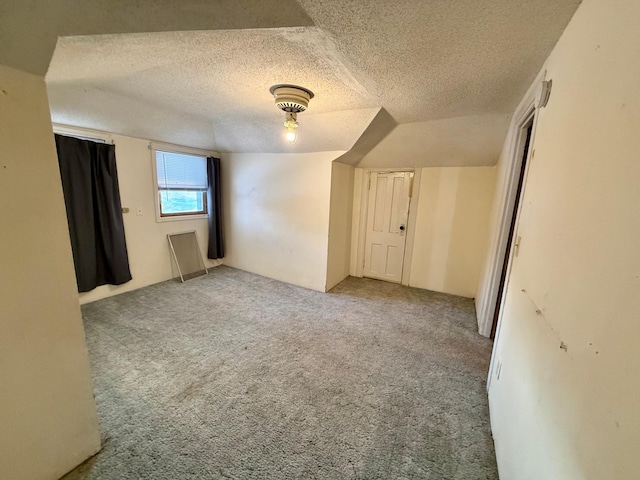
{"points": [[182, 184]]}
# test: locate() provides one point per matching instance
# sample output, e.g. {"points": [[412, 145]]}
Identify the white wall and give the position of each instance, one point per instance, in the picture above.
{"points": [[147, 245], [573, 413], [340, 216], [474, 140], [48, 421], [452, 228], [276, 209]]}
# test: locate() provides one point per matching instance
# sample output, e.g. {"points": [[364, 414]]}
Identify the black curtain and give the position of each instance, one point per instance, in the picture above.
{"points": [[214, 198], [94, 213]]}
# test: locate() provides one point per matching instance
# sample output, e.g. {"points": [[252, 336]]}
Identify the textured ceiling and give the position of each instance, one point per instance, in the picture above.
{"points": [[439, 143], [431, 59], [405, 61], [218, 79], [29, 29]]}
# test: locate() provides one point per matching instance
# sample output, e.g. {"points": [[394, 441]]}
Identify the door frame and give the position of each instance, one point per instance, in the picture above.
{"points": [[361, 218], [527, 113], [486, 300]]}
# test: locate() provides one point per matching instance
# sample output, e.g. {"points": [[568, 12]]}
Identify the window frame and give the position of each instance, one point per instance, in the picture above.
{"points": [[204, 212], [168, 217]]}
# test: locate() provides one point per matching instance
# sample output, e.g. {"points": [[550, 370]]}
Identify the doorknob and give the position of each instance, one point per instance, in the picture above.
{"points": [[401, 228]]}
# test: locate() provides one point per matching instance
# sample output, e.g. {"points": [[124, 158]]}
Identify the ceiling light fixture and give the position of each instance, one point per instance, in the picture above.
{"points": [[293, 100]]}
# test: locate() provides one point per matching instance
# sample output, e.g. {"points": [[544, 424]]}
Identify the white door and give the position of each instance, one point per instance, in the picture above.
{"points": [[387, 214]]}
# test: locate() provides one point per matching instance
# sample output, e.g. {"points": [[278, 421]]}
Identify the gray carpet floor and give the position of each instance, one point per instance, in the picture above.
{"points": [[237, 376]]}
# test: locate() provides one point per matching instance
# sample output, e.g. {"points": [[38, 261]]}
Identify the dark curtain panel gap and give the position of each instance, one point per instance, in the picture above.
{"points": [[214, 198], [94, 212]]}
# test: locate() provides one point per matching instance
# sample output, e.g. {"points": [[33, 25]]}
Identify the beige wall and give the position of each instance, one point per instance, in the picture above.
{"points": [[276, 209], [48, 420], [573, 413], [451, 230], [340, 217], [147, 246]]}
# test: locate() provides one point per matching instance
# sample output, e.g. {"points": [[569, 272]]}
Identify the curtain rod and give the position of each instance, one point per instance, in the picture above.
{"points": [[84, 137], [83, 133]]}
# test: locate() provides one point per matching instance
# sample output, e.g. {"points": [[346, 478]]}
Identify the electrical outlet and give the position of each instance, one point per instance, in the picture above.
{"points": [[139, 211], [498, 369]]}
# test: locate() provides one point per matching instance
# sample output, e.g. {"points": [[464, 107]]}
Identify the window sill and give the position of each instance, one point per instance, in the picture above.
{"points": [[181, 217]]}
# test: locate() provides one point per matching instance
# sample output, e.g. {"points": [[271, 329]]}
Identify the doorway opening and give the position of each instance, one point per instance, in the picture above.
{"points": [[511, 245]]}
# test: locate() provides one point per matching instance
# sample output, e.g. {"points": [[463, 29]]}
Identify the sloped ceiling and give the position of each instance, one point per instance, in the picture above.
{"points": [[371, 65], [217, 80], [30, 29], [433, 59]]}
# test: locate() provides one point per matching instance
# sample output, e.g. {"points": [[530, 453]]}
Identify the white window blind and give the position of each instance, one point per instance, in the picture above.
{"points": [[181, 171]]}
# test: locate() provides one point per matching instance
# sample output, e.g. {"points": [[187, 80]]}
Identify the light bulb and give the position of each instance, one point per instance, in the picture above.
{"points": [[291, 125], [291, 135]]}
